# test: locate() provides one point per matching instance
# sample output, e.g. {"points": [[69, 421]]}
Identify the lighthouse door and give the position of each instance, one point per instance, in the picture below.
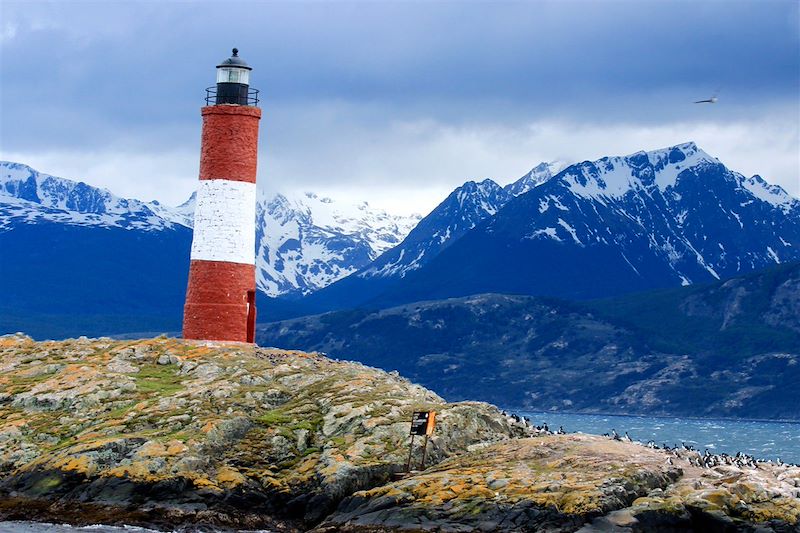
{"points": [[251, 316]]}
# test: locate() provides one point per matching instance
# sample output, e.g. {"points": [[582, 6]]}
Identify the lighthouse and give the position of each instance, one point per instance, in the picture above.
{"points": [[220, 297]]}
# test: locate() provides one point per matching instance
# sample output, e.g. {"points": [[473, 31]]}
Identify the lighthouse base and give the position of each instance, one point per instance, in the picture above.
{"points": [[220, 302]]}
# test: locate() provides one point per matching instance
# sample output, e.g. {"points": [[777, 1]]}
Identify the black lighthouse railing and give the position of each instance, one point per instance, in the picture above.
{"points": [[214, 97]]}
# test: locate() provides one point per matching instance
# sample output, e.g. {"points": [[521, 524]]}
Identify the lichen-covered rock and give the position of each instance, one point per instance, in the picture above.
{"points": [[729, 496], [527, 484], [178, 427], [576, 483], [248, 438]]}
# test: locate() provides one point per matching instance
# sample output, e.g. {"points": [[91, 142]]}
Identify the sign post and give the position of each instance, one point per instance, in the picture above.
{"points": [[422, 423], [410, 452]]}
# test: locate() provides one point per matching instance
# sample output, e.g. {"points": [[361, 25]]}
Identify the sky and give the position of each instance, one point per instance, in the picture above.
{"points": [[398, 103]]}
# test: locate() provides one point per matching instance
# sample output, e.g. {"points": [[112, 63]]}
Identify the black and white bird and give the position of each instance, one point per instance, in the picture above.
{"points": [[712, 100]]}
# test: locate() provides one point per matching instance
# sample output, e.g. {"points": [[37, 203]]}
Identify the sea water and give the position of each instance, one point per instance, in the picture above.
{"points": [[761, 439]]}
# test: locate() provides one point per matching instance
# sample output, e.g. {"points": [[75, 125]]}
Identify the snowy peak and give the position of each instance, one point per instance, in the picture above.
{"points": [[306, 242], [183, 214], [24, 183], [378, 227], [651, 219], [612, 177], [538, 175], [772, 194], [668, 163], [485, 196], [465, 208], [29, 196], [461, 211], [677, 210], [667, 171]]}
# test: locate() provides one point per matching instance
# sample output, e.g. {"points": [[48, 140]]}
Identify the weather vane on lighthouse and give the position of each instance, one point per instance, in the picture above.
{"points": [[220, 297]]}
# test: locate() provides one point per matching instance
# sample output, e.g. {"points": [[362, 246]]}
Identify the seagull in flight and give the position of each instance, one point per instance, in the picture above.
{"points": [[712, 100]]}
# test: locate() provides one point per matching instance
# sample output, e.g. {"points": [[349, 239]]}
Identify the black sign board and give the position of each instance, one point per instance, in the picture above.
{"points": [[419, 422], [422, 423]]}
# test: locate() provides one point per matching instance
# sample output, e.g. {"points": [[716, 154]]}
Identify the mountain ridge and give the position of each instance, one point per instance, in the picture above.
{"points": [[42, 196], [461, 211], [651, 219], [306, 242], [333, 239], [589, 230], [535, 177]]}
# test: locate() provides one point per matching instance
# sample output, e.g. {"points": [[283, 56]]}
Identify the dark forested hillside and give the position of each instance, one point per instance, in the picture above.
{"points": [[730, 348]]}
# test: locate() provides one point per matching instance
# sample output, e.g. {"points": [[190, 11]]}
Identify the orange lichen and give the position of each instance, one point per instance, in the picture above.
{"points": [[228, 477], [80, 464]]}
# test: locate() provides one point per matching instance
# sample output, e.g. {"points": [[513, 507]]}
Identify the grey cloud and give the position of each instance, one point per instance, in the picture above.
{"points": [[380, 94]]}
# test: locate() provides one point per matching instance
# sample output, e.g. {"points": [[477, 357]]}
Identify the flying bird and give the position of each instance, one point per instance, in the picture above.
{"points": [[712, 100]]}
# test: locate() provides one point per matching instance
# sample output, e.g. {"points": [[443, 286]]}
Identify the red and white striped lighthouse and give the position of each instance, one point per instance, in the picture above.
{"points": [[220, 298]]}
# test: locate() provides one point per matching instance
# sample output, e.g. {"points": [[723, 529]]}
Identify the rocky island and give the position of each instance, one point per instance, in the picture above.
{"points": [[172, 434]]}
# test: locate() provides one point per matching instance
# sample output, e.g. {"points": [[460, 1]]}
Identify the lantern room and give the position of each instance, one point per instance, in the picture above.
{"points": [[233, 83]]}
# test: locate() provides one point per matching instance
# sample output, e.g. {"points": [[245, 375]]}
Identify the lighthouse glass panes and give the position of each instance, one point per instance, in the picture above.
{"points": [[233, 75]]}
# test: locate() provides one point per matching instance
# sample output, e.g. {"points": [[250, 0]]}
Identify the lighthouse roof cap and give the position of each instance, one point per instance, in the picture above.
{"points": [[235, 61]]}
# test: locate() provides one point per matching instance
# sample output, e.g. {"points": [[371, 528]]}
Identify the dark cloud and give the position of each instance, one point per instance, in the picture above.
{"points": [[98, 75]]}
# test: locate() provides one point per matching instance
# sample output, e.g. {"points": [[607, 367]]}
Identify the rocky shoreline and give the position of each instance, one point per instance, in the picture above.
{"points": [[578, 483], [168, 434]]}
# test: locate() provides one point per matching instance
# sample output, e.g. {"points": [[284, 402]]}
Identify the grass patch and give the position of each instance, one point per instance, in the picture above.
{"points": [[311, 425], [180, 435], [23, 384], [339, 442], [379, 411], [275, 417], [119, 411], [159, 379]]}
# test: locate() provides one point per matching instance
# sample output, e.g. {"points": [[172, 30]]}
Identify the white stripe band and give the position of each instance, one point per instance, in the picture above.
{"points": [[225, 222]]}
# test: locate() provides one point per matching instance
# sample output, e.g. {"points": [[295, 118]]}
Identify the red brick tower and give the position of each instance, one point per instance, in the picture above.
{"points": [[220, 298]]}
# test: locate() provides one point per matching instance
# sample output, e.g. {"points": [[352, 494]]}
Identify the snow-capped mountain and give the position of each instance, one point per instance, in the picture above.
{"points": [[700, 220], [461, 211], [668, 217], [538, 175], [306, 242], [28, 196], [303, 242], [79, 260], [662, 218]]}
